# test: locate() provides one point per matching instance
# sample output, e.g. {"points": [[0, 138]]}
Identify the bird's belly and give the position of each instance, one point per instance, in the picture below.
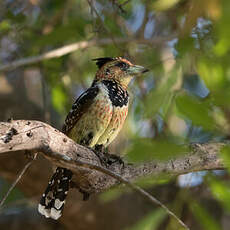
{"points": [[93, 124], [114, 126]]}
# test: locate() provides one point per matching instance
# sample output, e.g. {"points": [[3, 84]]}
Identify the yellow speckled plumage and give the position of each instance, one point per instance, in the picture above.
{"points": [[96, 119], [105, 119]]}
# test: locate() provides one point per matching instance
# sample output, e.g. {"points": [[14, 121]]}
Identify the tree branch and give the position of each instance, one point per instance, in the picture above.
{"points": [[79, 45], [89, 175], [72, 164], [37, 136]]}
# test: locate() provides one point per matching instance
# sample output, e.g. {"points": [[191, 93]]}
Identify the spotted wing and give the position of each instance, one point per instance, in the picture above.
{"points": [[80, 106]]}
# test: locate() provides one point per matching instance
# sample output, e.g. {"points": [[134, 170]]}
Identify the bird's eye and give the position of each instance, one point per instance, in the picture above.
{"points": [[122, 65]]}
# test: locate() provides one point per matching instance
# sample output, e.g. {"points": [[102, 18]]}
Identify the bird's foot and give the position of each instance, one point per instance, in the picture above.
{"points": [[106, 158], [112, 158], [101, 155]]}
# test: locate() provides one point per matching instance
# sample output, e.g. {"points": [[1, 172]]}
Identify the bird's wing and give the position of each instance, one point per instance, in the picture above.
{"points": [[79, 107]]}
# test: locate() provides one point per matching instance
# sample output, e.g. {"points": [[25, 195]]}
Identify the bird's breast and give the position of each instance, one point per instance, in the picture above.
{"points": [[118, 99], [118, 96]]}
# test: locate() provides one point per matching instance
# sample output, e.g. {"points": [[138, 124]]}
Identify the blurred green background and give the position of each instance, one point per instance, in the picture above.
{"points": [[183, 99]]}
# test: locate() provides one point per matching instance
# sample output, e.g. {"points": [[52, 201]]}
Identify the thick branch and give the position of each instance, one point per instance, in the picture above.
{"points": [[36, 136], [79, 45]]}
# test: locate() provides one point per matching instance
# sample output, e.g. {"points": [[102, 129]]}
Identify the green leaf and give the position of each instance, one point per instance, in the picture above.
{"points": [[197, 111], [225, 154], [161, 5], [151, 221], [223, 31], [111, 194], [152, 180], [212, 72], [221, 97], [204, 218], [185, 45], [221, 191], [59, 98], [161, 98], [62, 33], [5, 25], [146, 149], [158, 97]]}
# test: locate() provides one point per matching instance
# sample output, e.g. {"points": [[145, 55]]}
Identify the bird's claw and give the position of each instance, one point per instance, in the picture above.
{"points": [[114, 158]]}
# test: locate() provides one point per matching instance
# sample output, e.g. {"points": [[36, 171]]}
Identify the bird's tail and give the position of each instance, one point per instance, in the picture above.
{"points": [[53, 200]]}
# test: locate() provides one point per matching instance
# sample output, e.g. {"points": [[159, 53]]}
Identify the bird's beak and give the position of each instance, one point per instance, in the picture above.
{"points": [[136, 70]]}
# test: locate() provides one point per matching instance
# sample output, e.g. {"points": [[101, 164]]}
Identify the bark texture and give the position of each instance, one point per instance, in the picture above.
{"points": [[36, 136]]}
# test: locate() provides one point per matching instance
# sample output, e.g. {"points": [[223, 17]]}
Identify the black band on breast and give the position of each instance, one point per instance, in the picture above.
{"points": [[118, 96]]}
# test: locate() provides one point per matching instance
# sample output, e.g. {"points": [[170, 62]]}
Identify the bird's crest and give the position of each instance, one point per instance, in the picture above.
{"points": [[101, 61]]}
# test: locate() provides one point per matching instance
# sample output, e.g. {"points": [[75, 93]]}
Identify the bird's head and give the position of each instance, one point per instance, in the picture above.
{"points": [[118, 69]]}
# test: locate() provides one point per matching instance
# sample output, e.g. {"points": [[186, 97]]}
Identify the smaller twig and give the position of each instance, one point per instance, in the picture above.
{"points": [[50, 54], [141, 191], [66, 49], [154, 200], [124, 3], [120, 6], [27, 165]]}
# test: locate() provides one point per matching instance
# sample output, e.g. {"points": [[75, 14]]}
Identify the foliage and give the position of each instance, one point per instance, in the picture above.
{"points": [[151, 221], [184, 97]]}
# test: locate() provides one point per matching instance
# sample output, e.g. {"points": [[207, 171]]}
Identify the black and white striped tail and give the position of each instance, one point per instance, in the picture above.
{"points": [[53, 200]]}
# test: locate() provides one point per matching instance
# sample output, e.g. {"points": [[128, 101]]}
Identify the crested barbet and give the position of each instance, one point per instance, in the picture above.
{"points": [[94, 121]]}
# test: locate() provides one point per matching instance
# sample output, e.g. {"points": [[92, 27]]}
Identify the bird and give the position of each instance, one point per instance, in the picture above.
{"points": [[95, 119]]}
